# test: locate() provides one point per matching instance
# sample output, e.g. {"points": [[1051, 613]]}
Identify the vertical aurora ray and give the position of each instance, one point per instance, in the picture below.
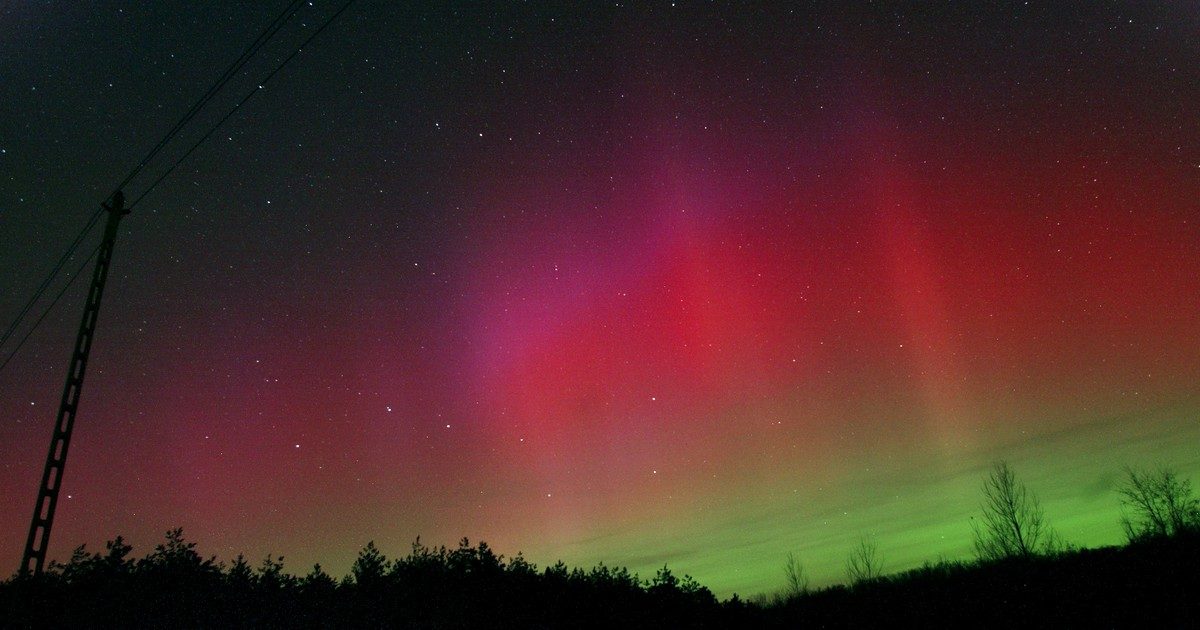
{"points": [[762, 347]]}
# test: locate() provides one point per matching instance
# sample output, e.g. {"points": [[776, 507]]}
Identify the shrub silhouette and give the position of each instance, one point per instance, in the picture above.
{"points": [[370, 569], [85, 567], [176, 556]]}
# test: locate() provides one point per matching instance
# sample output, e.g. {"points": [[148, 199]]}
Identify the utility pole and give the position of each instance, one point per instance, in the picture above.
{"points": [[56, 459]]}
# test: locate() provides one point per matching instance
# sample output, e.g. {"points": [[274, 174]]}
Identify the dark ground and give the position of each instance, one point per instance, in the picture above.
{"points": [[1148, 584]]}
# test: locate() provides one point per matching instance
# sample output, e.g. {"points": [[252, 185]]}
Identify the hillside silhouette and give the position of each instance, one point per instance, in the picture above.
{"points": [[1150, 582]]}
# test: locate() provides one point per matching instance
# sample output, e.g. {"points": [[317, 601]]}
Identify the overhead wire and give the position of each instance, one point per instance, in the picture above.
{"points": [[50, 307], [263, 37], [255, 90], [12, 327], [267, 34]]}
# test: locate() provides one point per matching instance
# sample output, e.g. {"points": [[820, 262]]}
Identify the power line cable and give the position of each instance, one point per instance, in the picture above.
{"points": [[12, 328], [265, 36], [251, 93], [229, 73], [238, 64], [50, 307]]}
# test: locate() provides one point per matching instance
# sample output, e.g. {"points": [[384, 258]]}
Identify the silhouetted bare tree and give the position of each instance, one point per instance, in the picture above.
{"points": [[1157, 503], [797, 578], [864, 563], [1013, 524]]}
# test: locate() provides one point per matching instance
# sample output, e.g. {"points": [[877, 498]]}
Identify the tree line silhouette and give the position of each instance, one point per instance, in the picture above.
{"points": [[431, 587], [1022, 573]]}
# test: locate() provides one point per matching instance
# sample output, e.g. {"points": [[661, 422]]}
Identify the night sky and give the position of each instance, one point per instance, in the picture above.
{"points": [[638, 283]]}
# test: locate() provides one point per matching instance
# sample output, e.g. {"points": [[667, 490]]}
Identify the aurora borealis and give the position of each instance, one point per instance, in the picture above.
{"points": [[661, 283]]}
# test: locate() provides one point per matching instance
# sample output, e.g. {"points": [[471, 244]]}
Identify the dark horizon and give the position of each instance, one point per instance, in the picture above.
{"points": [[1151, 581]]}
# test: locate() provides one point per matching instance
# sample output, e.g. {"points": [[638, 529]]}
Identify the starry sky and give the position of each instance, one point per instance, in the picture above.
{"points": [[632, 283]]}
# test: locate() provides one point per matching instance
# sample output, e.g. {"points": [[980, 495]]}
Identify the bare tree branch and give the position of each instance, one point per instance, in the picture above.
{"points": [[864, 563], [1013, 523], [797, 578], [1157, 504]]}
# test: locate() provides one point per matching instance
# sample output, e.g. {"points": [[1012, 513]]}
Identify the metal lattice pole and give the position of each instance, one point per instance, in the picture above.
{"points": [[56, 459]]}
